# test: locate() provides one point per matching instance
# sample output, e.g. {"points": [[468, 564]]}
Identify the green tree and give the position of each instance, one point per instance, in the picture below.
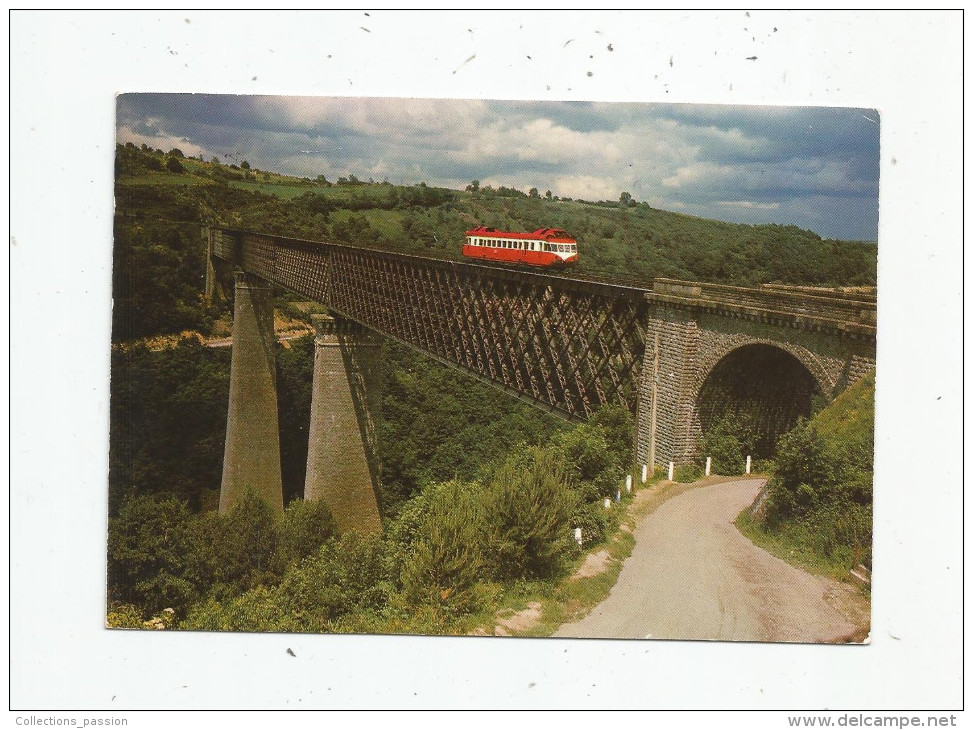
{"points": [[592, 464], [235, 552], [527, 511], [307, 525], [148, 550], [445, 565]]}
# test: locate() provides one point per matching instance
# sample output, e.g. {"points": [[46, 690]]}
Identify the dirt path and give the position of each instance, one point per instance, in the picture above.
{"points": [[692, 575]]}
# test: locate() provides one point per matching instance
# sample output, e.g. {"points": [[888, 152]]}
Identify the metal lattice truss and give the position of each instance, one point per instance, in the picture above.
{"points": [[562, 344]]}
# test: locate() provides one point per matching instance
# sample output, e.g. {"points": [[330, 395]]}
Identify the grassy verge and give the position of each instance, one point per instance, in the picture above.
{"points": [[794, 545]]}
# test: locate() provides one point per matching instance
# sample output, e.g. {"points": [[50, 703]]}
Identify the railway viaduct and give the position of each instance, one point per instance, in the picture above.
{"points": [[678, 355]]}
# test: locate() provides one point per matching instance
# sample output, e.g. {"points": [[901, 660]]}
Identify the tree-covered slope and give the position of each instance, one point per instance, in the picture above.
{"points": [[163, 198]]}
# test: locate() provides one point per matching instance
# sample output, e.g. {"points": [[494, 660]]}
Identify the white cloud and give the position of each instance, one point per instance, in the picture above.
{"points": [[587, 187], [749, 204], [719, 161], [162, 141]]}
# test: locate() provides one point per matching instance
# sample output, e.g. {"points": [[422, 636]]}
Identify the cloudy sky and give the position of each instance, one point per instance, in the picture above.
{"points": [[813, 167]]}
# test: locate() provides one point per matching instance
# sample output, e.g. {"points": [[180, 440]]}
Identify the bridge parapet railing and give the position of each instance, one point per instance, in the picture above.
{"points": [[850, 311]]}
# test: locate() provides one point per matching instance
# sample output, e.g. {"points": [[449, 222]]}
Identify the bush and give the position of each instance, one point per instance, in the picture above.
{"points": [[685, 473], [256, 610], [595, 521], [527, 512], [802, 458], [446, 560], [148, 554], [724, 448], [305, 528], [347, 574], [820, 494], [123, 616], [590, 462], [235, 552], [618, 427]]}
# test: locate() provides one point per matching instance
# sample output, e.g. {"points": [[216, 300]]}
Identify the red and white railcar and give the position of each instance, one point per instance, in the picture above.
{"points": [[543, 247]]}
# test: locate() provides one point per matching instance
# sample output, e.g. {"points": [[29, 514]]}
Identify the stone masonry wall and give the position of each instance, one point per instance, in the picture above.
{"points": [[691, 343]]}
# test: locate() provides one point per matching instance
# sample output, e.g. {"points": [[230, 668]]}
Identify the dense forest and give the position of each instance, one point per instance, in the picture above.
{"points": [[480, 492]]}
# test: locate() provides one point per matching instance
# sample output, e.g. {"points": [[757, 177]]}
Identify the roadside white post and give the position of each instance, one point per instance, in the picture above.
{"points": [[645, 473], [672, 469], [618, 495], [608, 502], [709, 464], [748, 464], [628, 483], [577, 536]]}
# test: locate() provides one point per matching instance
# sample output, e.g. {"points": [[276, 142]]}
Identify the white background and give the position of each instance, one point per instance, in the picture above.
{"points": [[65, 69]]}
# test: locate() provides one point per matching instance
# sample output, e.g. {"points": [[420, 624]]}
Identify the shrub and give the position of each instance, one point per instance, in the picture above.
{"points": [[346, 574], [235, 552], [685, 473], [724, 448], [123, 616], [618, 426], [256, 610], [820, 494], [148, 555], [595, 522], [305, 528], [527, 511], [446, 560], [589, 461], [805, 473]]}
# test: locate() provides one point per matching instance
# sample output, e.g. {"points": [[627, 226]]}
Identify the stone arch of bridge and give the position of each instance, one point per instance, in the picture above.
{"points": [[760, 385], [825, 383]]}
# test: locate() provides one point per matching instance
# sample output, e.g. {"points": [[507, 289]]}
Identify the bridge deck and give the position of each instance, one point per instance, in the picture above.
{"points": [[565, 343]]}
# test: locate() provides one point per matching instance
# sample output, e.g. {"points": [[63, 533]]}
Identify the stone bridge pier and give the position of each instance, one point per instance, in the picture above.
{"points": [[342, 461], [251, 456], [342, 453]]}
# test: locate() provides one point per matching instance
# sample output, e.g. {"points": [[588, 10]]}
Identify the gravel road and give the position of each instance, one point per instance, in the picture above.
{"points": [[692, 575]]}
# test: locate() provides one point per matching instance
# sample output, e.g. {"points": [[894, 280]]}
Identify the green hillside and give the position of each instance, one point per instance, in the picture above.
{"points": [[158, 193], [818, 508], [850, 419]]}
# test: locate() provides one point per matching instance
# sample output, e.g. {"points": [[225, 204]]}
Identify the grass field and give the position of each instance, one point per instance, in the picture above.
{"points": [[164, 178]]}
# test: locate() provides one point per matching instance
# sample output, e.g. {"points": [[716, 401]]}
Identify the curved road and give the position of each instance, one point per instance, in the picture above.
{"points": [[692, 575]]}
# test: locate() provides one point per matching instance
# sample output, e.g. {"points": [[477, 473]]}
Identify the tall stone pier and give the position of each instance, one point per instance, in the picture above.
{"points": [[342, 454], [251, 460]]}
